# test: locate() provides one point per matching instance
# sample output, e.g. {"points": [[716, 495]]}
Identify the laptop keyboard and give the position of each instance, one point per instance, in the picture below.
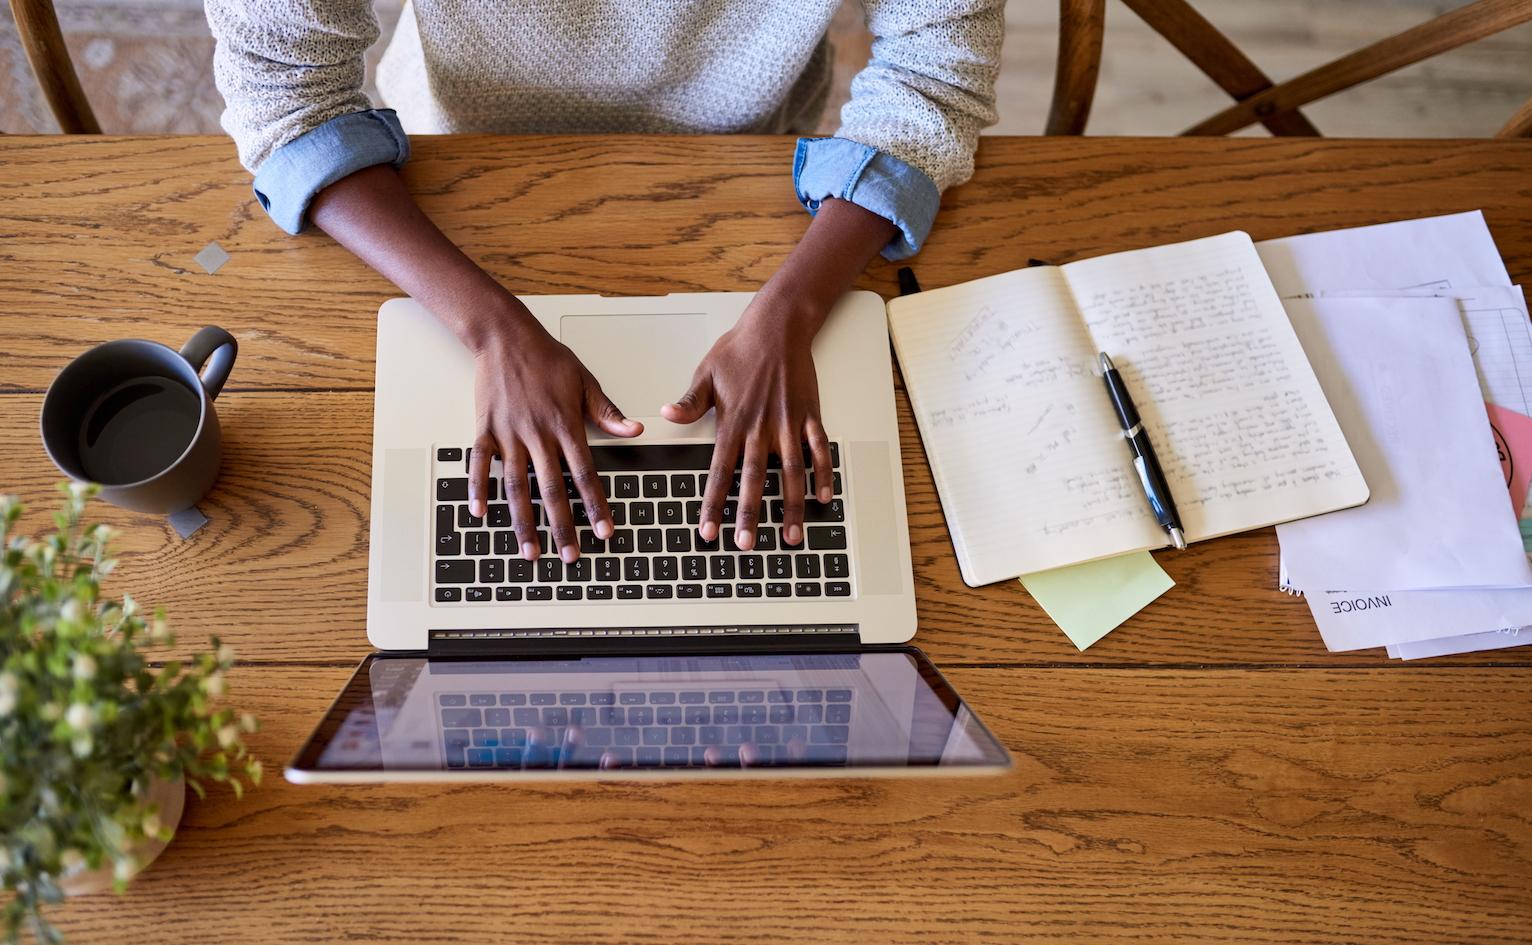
{"points": [[673, 728], [655, 552]]}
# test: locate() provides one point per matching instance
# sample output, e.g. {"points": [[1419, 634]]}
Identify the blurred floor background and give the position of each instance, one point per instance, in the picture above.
{"points": [[146, 66]]}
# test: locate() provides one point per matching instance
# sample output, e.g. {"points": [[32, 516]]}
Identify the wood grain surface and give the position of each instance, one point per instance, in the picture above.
{"points": [[1207, 772], [1170, 805]]}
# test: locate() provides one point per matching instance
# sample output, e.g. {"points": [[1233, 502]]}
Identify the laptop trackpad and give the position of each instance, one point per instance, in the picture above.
{"points": [[642, 361]]}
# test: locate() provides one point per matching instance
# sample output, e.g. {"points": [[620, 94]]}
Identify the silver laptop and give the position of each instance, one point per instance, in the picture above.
{"points": [[656, 654]]}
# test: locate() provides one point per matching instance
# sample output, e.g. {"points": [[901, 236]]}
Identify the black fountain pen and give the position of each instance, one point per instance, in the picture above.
{"points": [[1144, 461]]}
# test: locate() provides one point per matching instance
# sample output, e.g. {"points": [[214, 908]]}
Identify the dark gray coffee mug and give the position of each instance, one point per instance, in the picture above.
{"points": [[136, 417]]}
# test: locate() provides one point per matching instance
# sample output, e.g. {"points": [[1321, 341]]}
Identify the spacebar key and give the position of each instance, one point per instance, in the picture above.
{"points": [[653, 456]]}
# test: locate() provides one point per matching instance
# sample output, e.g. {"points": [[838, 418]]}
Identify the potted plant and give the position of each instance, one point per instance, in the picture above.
{"points": [[97, 742]]}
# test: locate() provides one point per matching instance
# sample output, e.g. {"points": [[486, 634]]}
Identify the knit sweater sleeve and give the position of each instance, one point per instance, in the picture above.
{"points": [[930, 85]]}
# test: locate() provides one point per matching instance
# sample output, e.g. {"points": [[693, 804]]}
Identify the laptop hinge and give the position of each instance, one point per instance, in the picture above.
{"points": [[602, 641]]}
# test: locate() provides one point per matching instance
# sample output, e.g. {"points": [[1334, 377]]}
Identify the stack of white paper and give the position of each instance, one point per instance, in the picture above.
{"points": [[1411, 327]]}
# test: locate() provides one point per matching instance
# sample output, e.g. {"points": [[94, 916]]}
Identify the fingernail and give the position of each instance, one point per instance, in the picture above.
{"points": [[746, 540], [794, 534], [603, 529], [528, 550], [824, 494], [709, 531], [569, 553]]}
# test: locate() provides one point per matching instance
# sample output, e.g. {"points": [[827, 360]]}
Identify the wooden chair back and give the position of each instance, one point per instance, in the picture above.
{"points": [[38, 25], [1257, 98]]}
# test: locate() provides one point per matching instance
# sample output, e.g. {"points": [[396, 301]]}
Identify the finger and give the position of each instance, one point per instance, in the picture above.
{"points": [[610, 761], [719, 477], [819, 450], [484, 450], [574, 737], [588, 483], [749, 754], [693, 404], [519, 494], [605, 414], [751, 480], [793, 488], [550, 482]]}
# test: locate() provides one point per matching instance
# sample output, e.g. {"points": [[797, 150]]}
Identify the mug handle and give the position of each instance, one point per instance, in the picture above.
{"points": [[221, 345]]}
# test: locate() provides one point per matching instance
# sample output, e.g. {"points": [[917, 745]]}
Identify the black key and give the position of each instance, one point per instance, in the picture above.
{"points": [[608, 569], [837, 566], [838, 714], [752, 715], [590, 544], [449, 454], [626, 736], [465, 520], [838, 695], [542, 698], [710, 735], [832, 511], [627, 487], [677, 757], [807, 565], [446, 521], [631, 698], [622, 541], [507, 593], [570, 592], [476, 543], [462, 718], [449, 545], [779, 695], [698, 714], [694, 568], [603, 698], [670, 513], [577, 513], [663, 698], [619, 513], [827, 536], [808, 589], [505, 543], [665, 568], [693, 698], [754, 695], [614, 716], [640, 715], [556, 717], [659, 591], [635, 569], [448, 594], [539, 593], [837, 589], [598, 592], [748, 590], [720, 697], [606, 485], [550, 570], [449, 700], [542, 541], [578, 570], [454, 572], [779, 590], [641, 513], [738, 734], [782, 714], [722, 568], [654, 487], [678, 540], [482, 699], [629, 591], [689, 590], [810, 695], [476, 593], [779, 566], [491, 571], [720, 590], [650, 540], [702, 544], [519, 570], [683, 485], [694, 512], [752, 567], [452, 490], [726, 714], [772, 485], [765, 539], [810, 714], [834, 485]]}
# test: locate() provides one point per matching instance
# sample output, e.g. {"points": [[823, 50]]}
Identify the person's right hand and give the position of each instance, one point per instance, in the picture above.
{"points": [[532, 396]]}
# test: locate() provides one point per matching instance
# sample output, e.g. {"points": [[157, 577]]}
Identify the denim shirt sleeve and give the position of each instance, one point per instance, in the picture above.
{"points": [[295, 172], [872, 179]]}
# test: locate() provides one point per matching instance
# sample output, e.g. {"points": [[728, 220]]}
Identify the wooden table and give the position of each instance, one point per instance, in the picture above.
{"points": [[1205, 773]]}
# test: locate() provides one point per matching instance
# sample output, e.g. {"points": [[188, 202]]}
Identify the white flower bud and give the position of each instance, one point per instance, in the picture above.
{"points": [[152, 825], [73, 861], [84, 667], [249, 722], [82, 744], [8, 690], [227, 736], [123, 869], [213, 685], [77, 489], [71, 610], [158, 629], [79, 716], [225, 654]]}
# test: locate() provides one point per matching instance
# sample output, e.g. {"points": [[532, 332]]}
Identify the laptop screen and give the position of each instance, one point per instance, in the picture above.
{"points": [[419, 718]]}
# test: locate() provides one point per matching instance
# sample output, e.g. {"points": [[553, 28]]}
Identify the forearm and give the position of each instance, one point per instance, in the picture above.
{"points": [[371, 214], [840, 242]]}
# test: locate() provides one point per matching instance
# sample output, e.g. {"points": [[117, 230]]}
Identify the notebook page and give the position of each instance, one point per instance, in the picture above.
{"points": [[1027, 454], [1240, 424]]}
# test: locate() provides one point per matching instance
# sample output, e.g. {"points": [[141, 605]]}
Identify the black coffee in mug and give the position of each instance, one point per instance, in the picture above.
{"points": [[137, 430], [137, 418]]}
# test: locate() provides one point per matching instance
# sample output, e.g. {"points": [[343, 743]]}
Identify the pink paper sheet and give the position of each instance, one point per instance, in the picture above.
{"points": [[1513, 437]]}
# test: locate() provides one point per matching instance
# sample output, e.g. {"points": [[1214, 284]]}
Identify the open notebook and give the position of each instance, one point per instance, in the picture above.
{"points": [[1027, 452]]}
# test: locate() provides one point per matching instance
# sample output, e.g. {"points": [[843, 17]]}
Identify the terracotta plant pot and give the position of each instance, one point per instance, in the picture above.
{"points": [[171, 796]]}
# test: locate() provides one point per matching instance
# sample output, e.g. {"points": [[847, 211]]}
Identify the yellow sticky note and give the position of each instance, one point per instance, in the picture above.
{"points": [[1089, 600]]}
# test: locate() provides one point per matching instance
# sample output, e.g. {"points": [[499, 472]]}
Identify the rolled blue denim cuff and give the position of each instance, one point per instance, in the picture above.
{"points": [[295, 172], [869, 178]]}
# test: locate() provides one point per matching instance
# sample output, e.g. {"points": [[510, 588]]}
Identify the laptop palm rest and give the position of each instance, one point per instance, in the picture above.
{"points": [[643, 361]]}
